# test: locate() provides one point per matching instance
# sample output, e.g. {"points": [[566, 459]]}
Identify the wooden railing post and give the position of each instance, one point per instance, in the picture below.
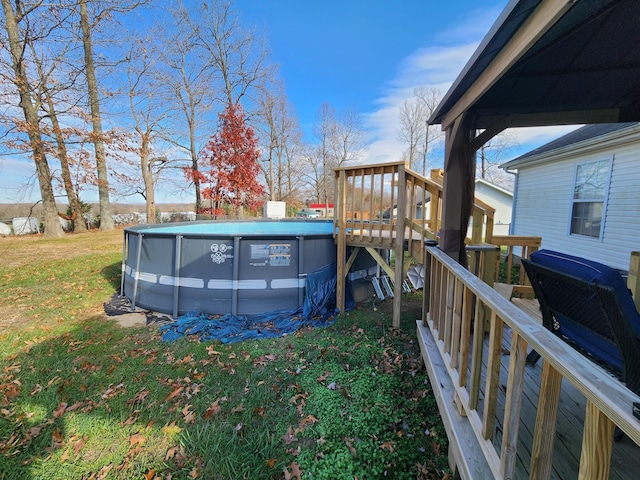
{"points": [[399, 247], [341, 254], [514, 394], [597, 442], [545, 430]]}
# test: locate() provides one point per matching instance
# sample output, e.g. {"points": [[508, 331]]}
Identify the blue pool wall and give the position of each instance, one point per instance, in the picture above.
{"points": [[219, 267]]}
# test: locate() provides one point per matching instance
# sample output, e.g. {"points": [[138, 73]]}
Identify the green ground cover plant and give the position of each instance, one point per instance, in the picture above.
{"points": [[83, 398]]}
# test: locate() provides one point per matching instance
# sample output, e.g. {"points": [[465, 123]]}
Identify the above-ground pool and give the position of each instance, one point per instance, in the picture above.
{"points": [[219, 267]]}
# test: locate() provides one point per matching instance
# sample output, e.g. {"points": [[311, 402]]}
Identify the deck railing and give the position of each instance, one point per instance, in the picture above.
{"points": [[384, 206], [375, 201], [467, 389]]}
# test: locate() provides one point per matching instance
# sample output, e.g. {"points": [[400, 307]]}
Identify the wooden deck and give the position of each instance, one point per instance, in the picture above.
{"points": [[505, 419], [625, 461], [625, 456]]}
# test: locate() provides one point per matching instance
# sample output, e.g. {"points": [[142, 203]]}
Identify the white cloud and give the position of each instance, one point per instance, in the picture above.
{"points": [[438, 66], [432, 66], [535, 136]]}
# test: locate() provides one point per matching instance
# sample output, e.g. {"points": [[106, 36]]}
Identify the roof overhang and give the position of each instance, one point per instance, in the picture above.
{"points": [[551, 62], [613, 139]]}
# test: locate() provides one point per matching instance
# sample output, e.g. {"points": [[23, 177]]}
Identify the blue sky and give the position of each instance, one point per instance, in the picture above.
{"points": [[371, 54], [362, 54]]}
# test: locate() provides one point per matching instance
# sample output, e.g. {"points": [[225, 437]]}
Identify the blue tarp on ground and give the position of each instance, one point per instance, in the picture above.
{"points": [[318, 310]]}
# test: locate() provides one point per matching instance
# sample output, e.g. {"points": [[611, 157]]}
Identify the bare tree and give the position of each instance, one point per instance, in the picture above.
{"points": [[190, 82], [430, 98], [281, 141], [349, 138], [339, 140], [212, 63], [238, 59], [324, 131], [414, 129], [45, 64], [492, 154], [17, 40], [411, 130], [149, 110]]}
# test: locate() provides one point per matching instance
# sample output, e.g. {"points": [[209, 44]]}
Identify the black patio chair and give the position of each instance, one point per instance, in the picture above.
{"points": [[589, 306]]}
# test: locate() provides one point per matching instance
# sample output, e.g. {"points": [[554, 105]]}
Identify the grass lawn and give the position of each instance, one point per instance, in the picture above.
{"points": [[84, 398]]}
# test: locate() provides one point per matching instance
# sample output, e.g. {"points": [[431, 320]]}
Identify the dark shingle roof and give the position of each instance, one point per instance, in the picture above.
{"points": [[585, 133]]}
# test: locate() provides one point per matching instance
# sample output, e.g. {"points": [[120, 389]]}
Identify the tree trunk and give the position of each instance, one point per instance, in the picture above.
{"points": [[147, 177], [52, 227], [194, 162], [79, 225], [106, 219]]}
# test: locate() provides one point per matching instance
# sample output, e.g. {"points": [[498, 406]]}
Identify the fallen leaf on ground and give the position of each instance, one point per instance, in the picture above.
{"points": [[79, 444], [295, 472], [176, 391], [58, 412], [289, 436], [212, 410], [171, 453], [388, 446], [171, 429], [352, 450], [137, 439]]}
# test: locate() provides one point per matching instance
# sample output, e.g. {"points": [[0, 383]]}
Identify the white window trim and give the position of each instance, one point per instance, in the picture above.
{"points": [[604, 202]]}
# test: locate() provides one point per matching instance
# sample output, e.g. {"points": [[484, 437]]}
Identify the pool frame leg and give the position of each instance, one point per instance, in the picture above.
{"points": [[177, 267], [137, 273]]}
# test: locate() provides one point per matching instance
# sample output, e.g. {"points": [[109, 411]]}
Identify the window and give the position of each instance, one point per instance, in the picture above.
{"points": [[590, 192]]}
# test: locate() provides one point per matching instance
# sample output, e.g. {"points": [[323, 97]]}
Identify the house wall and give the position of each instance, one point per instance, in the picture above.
{"points": [[543, 206], [501, 202]]}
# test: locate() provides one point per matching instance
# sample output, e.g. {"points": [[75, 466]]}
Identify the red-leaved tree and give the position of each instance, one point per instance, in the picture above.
{"points": [[229, 165]]}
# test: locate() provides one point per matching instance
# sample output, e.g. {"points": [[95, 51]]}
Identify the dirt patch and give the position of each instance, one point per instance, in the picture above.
{"points": [[411, 306], [10, 316]]}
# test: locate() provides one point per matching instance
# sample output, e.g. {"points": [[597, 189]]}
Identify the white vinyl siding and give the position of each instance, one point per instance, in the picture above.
{"points": [[501, 202], [544, 200]]}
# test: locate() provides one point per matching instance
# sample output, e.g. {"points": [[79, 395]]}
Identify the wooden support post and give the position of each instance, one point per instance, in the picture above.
{"points": [[545, 430], [448, 314], [352, 258], [381, 261], [341, 254], [458, 188], [597, 443], [476, 226], [633, 282], [399, 246], [487, 273]]}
